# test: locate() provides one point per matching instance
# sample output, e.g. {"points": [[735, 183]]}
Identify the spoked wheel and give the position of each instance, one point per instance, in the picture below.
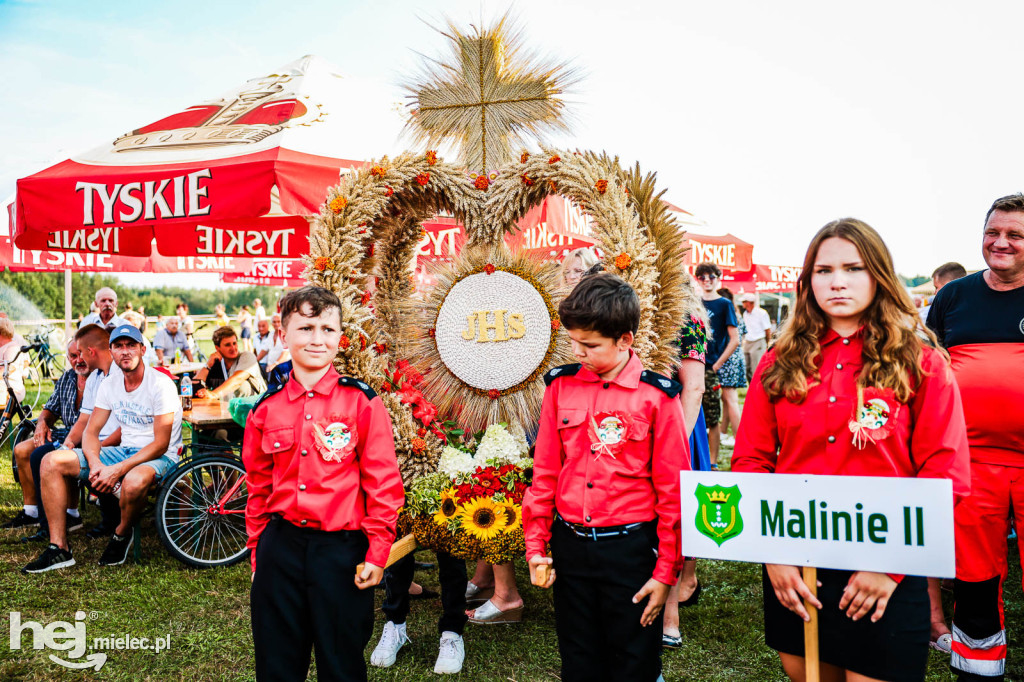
{"points": [[200, 512], [33, 386], [23, 431]]}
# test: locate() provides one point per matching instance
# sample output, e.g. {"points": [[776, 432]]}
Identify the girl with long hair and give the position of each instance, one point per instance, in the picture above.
{"points": [[850, 389]]}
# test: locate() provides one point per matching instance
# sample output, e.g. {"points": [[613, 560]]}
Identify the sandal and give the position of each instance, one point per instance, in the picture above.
{"points": [[670, 641], [489, 614], [944, 643], [477, 595]]}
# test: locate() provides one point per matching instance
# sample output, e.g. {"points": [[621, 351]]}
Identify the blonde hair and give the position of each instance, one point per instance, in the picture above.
{"points": [[588, 259], [892, 350], [692, 305]]}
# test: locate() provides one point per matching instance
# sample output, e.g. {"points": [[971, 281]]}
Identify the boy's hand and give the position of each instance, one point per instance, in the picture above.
{"points": [[368, 575], [253, 578], [864, 591], [658, 593], [541, 577]]}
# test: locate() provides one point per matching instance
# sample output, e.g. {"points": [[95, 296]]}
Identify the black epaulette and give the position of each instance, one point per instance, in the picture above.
{"points": [[273, 389], [669, 387], [361, 385], [561, 371]]}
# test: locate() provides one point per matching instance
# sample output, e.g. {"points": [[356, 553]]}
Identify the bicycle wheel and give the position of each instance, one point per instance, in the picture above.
{"points": [[33, 386], [23, 431], [194, 521], [55, 365]]}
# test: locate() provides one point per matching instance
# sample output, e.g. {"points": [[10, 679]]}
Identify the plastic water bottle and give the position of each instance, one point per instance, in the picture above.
{"points": [[177, 356], [186, 392]]}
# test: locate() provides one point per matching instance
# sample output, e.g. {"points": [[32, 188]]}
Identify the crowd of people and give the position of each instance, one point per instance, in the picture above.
{"points": [[602, 532]]}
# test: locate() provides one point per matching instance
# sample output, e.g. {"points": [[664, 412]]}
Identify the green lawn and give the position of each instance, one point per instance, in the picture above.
{"points": [[206, 614]]}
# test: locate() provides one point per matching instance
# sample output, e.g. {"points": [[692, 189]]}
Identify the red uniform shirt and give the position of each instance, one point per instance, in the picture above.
{"points": [[927, 440], [633, 477], [323, 458]]}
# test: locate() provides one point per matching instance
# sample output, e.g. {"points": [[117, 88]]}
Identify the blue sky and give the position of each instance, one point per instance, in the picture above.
{"points": [[764, 119]]}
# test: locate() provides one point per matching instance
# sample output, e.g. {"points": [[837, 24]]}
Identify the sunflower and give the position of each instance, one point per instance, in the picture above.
{"points": [[449, 508], [513, 516], [483, 518]]}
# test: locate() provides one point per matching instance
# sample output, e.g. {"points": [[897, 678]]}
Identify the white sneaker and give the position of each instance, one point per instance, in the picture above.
{"points": [[391, 640], [451, 655]]}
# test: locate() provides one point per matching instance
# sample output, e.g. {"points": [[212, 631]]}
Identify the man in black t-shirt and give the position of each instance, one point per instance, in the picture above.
{"points": [[724, 340]]}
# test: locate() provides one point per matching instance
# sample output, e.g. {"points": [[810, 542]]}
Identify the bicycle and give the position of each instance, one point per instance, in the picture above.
{"points": [[15, 408], [197, 353], [200, 510], [46, 363]]}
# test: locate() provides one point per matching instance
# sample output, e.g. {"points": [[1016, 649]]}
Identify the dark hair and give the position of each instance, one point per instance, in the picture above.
{"points": [[1011, 203], [221, 333], [318, 298], [92, 336], [594, 269], [726, 292], [602, 303], [707, 269], [182, 305], [947, 272]]}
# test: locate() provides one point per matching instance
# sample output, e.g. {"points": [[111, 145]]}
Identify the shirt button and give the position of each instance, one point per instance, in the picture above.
{"points": [[565, 420], [310, 394], [839, 365], [277, 445], [302, 486], [303, 453], [831, 439], [588, 519], [831, 398], [846, 342], [303, 522], [309, 416], [590, 484], [606, 384]]}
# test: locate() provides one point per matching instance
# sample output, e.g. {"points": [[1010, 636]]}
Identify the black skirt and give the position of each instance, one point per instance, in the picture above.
{"points": [[893, 649]]}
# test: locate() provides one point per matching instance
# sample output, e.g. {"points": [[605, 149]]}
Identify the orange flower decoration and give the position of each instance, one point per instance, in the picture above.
{"points": [[418, 445], [345, 343], [554, 159], [362, 343], [377, 172], [386, 387], [370, 250], [623, 261], [552, 185], [556, 325], [389, 191], [421, 432], [381, 348], [322, 263], [366, 298], [493, 394], [489, 269], [481, 182], [527, 180], [431, 157], [338, 204], [523, 157], [423, 179], [432, 332], [601, 186]]}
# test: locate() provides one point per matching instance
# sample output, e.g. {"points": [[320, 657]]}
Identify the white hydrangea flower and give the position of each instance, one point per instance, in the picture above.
{"points": [[499, 445], [454, 461]]}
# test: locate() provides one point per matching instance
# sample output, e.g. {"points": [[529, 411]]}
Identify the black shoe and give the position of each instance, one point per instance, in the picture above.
{"points": [[694, 597], [100, 531], [117, 549], [51, 558], [21, 520], [38, 536], [73, 522]]}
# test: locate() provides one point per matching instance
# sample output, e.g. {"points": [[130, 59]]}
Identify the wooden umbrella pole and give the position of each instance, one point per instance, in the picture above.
{"points": [[401, 548], [811, 666]]}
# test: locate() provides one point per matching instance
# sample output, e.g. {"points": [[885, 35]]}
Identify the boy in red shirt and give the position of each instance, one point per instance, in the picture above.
{"points": [[606, 491], [324, 492]]}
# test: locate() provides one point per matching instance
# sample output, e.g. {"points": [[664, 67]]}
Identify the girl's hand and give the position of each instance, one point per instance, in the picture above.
{"points": [[864, 591], [790, 589]]}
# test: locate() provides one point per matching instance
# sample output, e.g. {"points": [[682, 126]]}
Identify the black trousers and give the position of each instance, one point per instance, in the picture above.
{"points": [[304, 598], [598, 625], [452, 574]]}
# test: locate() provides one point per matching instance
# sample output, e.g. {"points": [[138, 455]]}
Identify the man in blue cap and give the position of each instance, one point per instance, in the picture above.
{"points": [[146, 405]]}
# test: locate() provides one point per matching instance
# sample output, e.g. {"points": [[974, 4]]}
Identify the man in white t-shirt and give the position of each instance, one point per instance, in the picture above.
{"points": [[759, 332], [105, 314], [259, 312], [146, 405], [263, 343], [11, 343]]}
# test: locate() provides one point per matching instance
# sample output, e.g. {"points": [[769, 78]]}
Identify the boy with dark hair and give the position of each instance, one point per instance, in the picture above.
{"points": [[324, 493], [606, 491]]}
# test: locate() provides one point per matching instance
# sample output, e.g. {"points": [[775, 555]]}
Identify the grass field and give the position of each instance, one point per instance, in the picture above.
{"points": [[206, 615]]}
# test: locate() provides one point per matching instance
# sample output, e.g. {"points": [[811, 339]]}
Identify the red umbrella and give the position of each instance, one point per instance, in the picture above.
{"points": [[233, 176]]}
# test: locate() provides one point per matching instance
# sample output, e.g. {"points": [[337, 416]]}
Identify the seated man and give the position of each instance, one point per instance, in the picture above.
{"points": [[63, 405], [229, 372], [169, 339], [10, 345], [146, 405]]}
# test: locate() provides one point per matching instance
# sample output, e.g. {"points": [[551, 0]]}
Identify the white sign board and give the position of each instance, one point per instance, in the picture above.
{"points": [[862, 523]]}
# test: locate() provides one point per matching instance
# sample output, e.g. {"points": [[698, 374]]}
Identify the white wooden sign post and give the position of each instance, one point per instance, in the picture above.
{"points": [[859, 523]]}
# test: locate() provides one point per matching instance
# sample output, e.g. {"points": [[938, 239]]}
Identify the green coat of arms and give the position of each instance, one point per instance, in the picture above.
{"points": [[718, 512]]}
